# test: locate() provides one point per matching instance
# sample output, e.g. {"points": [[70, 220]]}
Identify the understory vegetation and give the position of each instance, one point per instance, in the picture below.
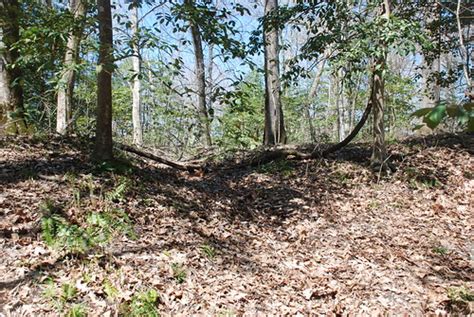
{"points": [[134, 239], [236, 158]]}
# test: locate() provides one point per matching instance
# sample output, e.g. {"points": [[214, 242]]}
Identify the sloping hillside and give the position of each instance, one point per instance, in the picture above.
{"points": [[309, 237]]}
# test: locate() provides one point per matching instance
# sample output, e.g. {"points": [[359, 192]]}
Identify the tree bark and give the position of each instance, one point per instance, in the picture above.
{"points": [[200, 79], [136, 63], [379, 152], [67, 81], [103, 140], [312, 93], [274, 123], [12, 119], [462, 47]]}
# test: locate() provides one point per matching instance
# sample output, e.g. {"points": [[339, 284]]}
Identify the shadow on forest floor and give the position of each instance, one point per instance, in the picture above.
{"points": [[333, 214]]}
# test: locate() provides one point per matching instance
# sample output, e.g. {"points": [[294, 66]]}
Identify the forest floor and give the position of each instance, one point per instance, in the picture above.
{"points": [[325, 236]]}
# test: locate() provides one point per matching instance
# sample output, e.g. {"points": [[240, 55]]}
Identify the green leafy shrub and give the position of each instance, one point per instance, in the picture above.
{"points": [[109, 289], [460, 300], [118, 193], [57, 232], [76, 310], [99, 229], [440, 250], [281, 166], [179, 273], [63, 298], [432, 117], [209, 251], [142, 305]]}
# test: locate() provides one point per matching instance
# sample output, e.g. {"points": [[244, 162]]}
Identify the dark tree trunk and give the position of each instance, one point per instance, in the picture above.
{"points": [[11, 93], [274, 124], [103, 141]]}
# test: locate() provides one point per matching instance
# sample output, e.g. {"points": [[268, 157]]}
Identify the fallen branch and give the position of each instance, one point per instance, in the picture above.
{"points": [[291, 153], [190, 167], [268, 155]]}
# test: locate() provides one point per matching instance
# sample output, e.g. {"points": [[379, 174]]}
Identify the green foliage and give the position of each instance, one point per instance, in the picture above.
{"points": [[460, 295], [57, 232], [209, 251], [118, 193], [63, 298], [242, 121], [434, 116], [118, 166], [440, 250], [76, 310], [420, 179], [109, 289], [179, 272], [99, 229], [142, 305], [283, 167]]}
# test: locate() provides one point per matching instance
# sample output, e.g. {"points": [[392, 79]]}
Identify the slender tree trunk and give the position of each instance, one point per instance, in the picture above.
{"points": [[136, 63], [11, 93], [432, 93], [103, 141], [340, 107], [274, 124], [379, 151], [200, 79], [67, 82], [312, 93], [464, 52]]}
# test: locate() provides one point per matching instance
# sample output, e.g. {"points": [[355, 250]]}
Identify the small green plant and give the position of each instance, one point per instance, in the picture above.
{"points": [[374, 204], [179, 273], [48, 207], [460, 294], [460, 299], [70, 177], [68, 292], [440, 250], [119, 166], [109, 289], [117, 194], [77, 310], [57, 232], [142, 305], [98, 230], [281, 166], [87, 186], [342, 177], [61, 297], [209, 251], [102, 226]]}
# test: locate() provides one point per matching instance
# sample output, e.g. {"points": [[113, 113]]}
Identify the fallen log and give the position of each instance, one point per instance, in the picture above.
{"points": [[190, 167], [268, 155], [291, 153]]}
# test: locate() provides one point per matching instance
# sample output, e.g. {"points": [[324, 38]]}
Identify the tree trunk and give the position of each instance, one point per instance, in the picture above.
{"points": [[379, 152], [136, 63], [103, 139], [66, 84], [312, 93], [200, 79], [463, 50], [274, 124], [11, 93], [340, 107]]}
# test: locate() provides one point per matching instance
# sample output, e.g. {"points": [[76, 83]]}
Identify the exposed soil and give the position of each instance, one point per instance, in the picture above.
{"points": [[311, 237]]}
